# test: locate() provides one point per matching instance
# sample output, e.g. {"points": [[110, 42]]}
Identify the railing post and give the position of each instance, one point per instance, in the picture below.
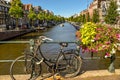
{"points": [[32, 43], [112, 67], [78, 47], [112, 60]]}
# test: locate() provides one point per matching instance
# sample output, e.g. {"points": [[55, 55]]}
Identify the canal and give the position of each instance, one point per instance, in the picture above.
{"points": [[57, 33]]}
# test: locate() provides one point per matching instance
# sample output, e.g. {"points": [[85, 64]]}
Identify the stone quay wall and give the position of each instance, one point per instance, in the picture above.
{"points": [[11, 34]]}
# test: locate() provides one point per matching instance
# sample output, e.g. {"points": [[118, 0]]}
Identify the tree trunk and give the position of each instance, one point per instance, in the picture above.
{"points": [[32, 24], [17, 24]]}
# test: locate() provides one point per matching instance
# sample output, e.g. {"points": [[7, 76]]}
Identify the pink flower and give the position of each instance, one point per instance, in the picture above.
{"points": [[107, 55], [107, 42], [110, 28], [85, 50], [99, 29], [94, 50], [97, 37], [118, 36]]}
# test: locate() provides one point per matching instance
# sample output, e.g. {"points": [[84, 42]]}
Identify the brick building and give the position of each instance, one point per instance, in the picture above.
{"points": [[4, 16], [101, 6], [26, 9]]}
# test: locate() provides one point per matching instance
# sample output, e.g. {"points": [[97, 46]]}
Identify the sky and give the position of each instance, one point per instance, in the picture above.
{"points": [[65, 8]]}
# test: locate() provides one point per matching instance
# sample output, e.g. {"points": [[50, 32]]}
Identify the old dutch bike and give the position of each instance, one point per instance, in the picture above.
{"points": [[67, 63]]}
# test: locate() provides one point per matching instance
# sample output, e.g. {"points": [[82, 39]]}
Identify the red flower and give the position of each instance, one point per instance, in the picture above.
{"points": [[107, 42]]}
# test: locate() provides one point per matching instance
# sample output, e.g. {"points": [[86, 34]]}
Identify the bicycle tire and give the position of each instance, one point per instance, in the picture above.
{"points": [[65, 64], [21, 68]]}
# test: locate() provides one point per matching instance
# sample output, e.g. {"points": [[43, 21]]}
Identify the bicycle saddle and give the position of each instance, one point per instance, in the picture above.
{"points": [[63, 44]]}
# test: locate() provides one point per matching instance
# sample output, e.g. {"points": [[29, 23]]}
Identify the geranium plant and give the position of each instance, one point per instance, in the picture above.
{"points": [[98, 37]]}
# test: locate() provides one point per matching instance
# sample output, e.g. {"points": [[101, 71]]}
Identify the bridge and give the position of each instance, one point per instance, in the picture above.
{"points": [[83, 74]]}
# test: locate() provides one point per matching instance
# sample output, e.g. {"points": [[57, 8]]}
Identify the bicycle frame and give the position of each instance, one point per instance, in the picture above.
{"points": [[35, 69], [48, 62]]}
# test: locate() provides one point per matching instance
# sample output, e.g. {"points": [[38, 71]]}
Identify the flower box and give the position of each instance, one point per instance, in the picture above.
{"points": [[98, 37]]}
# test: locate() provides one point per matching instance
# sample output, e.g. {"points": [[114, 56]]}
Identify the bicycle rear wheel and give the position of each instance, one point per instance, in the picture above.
{"points": [[24, 67], [68, 65]]}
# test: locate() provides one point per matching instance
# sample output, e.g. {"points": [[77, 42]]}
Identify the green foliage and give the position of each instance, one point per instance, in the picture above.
{"points": [[58, 19], [88, 31], [84, 18], [111, 13], [16, 10], [32, 15], [88, 17], [80, 19], [41, 15], [71, 18], [97, 37], [95, 17], [49, 17]]}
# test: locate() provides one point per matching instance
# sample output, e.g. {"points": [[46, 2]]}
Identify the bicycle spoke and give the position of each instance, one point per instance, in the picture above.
{"points": [[71, 64], [23, 67]]}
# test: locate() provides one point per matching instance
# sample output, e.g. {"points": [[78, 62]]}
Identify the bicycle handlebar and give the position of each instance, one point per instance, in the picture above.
{"points": [[44, 38]]}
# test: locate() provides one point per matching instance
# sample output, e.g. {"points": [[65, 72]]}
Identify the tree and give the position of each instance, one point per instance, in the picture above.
{"points": [[71, 18], [32, 15], [95, 17], [84, 18], [88, 17], [40, 16], [111, 13], [80, 18], [43, 16], [49, 17], [16, 10]]}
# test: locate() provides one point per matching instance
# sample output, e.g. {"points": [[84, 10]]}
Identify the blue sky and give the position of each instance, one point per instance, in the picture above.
{"points": [[64, 8]]}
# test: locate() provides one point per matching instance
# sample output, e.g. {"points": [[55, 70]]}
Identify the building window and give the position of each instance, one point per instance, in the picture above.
{"points": [[0, 8], [104, 9], [6, 9]]}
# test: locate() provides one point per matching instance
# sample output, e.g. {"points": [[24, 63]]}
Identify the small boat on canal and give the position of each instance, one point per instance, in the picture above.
{"points": [[61, 25]]}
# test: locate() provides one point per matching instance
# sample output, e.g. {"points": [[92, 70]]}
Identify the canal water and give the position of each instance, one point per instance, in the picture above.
{"points": [[57, 33]]}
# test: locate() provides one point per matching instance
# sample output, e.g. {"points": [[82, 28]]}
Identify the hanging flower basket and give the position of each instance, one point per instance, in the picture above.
{"points": [[98, 37]]}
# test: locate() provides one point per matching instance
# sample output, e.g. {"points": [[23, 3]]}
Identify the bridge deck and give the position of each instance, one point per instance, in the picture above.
{"points": [[93, 73]]}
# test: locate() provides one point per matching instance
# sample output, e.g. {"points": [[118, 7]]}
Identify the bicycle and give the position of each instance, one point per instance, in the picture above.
{"points": [[67, 64]]}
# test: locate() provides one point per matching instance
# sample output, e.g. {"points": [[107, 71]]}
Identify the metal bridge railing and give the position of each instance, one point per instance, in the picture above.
{"points": [[32, 43]]}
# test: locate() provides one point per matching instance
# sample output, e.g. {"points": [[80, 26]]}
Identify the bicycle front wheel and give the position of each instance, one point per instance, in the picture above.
{"points": [[23, 68], [68, 65]]}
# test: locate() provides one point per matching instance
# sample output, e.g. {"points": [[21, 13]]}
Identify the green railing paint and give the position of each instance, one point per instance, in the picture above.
{"points": [[14, 42]]}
